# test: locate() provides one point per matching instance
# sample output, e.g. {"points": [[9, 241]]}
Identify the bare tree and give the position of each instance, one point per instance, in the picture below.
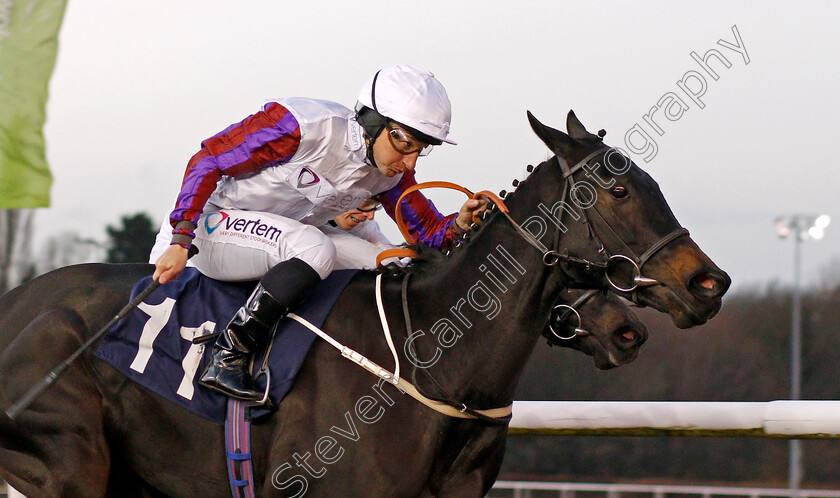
{"points": [[15, 246], [68, 248]]}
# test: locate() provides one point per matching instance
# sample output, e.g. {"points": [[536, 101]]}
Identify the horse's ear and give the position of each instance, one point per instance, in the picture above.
{"points": [[576, 128], [559, 143]]}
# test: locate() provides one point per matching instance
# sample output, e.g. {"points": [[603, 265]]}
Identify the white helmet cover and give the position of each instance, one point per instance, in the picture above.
{"points": [[410, 96]]}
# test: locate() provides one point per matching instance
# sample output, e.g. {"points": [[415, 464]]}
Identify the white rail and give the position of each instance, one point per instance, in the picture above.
{"points": [[775, 419], [522, 489]]}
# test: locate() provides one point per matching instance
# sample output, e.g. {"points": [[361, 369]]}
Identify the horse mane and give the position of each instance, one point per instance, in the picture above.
{"points": [[430, 260]]}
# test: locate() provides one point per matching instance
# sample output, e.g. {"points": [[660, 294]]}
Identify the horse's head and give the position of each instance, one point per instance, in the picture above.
{"points": [[598, 324], [645, 254]]}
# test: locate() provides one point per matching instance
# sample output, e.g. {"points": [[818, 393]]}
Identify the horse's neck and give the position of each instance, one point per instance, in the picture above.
{"points": [[481, 314]]}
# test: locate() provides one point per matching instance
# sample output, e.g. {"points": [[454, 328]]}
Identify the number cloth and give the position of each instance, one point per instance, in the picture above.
{"points": [[153, 345]]}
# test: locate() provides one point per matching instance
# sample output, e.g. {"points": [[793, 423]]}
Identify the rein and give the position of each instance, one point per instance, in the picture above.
{"points": [[420, 186], [550, 257]]}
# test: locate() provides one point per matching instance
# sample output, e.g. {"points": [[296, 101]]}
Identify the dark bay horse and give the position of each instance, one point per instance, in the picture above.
{"points": [[341, 430], [73, 459]]}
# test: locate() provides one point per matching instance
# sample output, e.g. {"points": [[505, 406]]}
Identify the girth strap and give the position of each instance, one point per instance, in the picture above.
{"points": [[238, 450]]}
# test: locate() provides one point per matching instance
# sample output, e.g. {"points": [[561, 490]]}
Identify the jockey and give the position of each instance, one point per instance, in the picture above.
{"points": [[253, 197], [357, 237]]}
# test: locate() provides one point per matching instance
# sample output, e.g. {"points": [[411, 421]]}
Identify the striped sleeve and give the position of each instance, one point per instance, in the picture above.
{"points": [[268, 137], [423, 220]]}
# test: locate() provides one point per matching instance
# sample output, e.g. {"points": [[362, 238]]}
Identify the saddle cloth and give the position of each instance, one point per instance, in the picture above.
{"points": [[153, 345]]}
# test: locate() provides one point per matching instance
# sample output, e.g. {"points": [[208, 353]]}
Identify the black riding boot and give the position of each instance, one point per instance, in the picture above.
{"points": [[248, 332]]}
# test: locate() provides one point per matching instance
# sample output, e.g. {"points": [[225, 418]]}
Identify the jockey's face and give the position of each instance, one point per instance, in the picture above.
{"points": [[351, 219], [388, 159]]}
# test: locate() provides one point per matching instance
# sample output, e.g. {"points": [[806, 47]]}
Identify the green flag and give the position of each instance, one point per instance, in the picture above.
{"points": [[28, 45]]}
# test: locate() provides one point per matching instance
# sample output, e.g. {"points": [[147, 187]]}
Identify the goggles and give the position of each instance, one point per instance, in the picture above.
{"points": [[406, 144], [369, 206]]}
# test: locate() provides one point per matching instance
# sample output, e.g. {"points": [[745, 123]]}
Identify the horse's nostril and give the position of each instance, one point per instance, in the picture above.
{"points": [[626, 337], [707, 282], [708, 285]]}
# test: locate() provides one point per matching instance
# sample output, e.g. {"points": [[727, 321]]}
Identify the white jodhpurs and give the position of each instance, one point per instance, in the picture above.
{"points": [[354, 252], [244, 245]]}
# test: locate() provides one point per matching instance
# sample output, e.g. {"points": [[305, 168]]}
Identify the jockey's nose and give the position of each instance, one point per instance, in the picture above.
{"points": [[410, 161]]}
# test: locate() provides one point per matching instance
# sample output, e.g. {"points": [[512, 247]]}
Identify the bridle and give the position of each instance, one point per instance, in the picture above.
{"points": [[552, 257], [563, 312]]}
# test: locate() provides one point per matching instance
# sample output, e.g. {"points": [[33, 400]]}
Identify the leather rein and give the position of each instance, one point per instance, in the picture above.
{"points": [[551, 257]]}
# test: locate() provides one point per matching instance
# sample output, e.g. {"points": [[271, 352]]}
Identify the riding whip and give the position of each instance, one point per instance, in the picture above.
{"points": [[41, 386]]}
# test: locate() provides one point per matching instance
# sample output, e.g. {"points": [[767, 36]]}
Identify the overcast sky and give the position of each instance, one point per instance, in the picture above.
{"points": [[138, 85]]}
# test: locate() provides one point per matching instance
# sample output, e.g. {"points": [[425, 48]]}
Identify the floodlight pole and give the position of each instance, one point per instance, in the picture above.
{"points": [[795, 448], [801, 227]]}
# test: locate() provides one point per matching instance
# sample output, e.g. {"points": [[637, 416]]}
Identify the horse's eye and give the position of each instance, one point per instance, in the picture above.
{"points": [[619, 192]]}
